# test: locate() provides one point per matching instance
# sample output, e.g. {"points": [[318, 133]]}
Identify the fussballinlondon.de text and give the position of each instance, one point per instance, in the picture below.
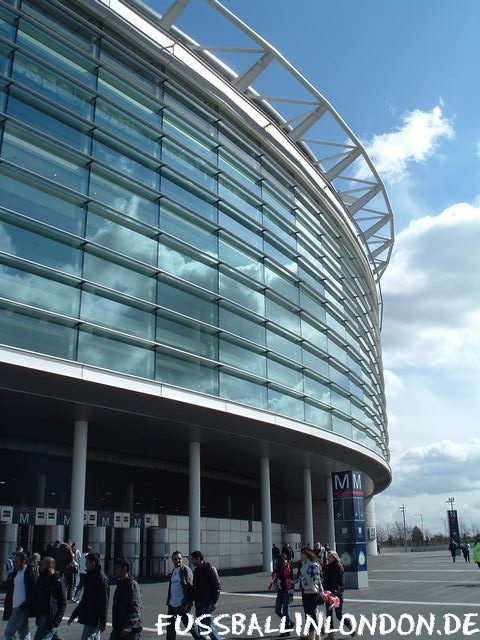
{"points": [[405, 624]]}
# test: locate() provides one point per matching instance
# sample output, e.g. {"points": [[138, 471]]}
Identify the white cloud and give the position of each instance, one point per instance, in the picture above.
{"points": [[431, 293], [414, 141]]}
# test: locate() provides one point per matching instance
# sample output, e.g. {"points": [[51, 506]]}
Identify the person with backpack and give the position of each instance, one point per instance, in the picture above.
{"points": [[180, 595], [19, 599], [93, 607], [50, 600], [206, 590]]}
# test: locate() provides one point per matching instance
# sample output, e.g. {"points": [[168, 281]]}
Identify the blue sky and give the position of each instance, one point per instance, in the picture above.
{"points": [[404, 75]]}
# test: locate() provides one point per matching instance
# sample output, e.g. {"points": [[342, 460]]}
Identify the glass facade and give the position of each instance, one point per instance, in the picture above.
{"points": [[142, 230]]}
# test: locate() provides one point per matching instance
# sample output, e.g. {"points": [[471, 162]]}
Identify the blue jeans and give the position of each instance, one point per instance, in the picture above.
{"points": [[44, 630], [18, 623], [90, 632], [282, 607], [203, 608]]}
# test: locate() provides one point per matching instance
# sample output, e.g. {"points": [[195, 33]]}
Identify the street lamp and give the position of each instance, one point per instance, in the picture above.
{"points": [[421, 522], [402, 509]]}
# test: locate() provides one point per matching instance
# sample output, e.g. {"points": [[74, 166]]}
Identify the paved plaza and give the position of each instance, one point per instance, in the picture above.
{"points": [[411, 583]]}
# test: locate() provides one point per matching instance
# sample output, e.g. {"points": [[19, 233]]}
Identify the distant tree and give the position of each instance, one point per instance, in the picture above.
{"points": [[417, 536]]}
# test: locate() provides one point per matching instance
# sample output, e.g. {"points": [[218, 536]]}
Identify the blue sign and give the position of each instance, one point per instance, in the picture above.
{"points": [[350, 535]]}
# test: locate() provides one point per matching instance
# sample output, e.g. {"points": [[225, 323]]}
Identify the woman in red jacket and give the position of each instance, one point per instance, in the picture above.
{"points": [[282, 578]]}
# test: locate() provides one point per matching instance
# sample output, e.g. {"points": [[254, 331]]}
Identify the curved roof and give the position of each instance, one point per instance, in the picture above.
{"points": [[305, 116]]}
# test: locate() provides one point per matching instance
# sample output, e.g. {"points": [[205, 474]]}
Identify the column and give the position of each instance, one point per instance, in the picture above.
{"points": [[41, 489], [130, 497], [307, 508], [330, 515], [370, 523], [79, 472], [194, 512], [266, 513]]}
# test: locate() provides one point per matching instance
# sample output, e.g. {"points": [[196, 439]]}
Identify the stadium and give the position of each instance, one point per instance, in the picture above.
{"points": [[191, 247]]}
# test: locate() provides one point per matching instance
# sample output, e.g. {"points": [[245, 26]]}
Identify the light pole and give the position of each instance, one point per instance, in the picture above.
{"points": [[402, 509], [421, 522]]}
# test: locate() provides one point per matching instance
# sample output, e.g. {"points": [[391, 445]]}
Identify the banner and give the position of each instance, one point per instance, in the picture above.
{"points": [[453, 527]]}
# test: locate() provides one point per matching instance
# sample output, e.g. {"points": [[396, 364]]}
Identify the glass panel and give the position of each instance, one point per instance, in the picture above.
{"points": [[317, 390], [121, 239], [189, 115], [40, 201], [284, 346], [130, 68], [188, 304], [114, 192], [32, 153], [340, 378], [124, 160], [242, 358], [242, 261], [233, 195], [109, 353], [242, 294], [5, 54], [178, 226], [43, 293], [184, 266], [181, 131], [286, 261], [340, 401], [38, 248], [119, 278], [232, 167], [316, 363], [187, 373], [59, 56], [281, 285], [287, 318], [286, 405], [285, 375], [116, 315], [123, 94], [315, 307], [342, 427], [243, 327], [37, 334], [316, 336], [192, 167], [317, 416], [7, 26], [237, 229], [242, 391], [334, 324], [39, 117], [336, 351], [126, 127], [184, 336], [186, 193], [51, 85]]}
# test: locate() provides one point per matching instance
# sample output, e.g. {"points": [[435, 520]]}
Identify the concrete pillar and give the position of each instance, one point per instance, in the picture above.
{"points": [[97, 539], [266, 513], [79, 472], [131, 547], [194, 512], [307, 508], [330, 515], [130, 497], [41, 490], [370, 522]]}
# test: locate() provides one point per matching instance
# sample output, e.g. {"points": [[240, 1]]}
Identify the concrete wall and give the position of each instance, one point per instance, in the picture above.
{"points": [[227, 544]]}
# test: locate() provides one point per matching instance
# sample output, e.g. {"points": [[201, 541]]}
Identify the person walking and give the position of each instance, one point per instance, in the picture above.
{"points": [[127, 615], [180, 595], [64, 563], [77, 556], [283, 578], [34, 563], [206, 590], [82, 572], [466, 551], [476, 551], [19, 595], [334, 581], [452, 547], [93, 607], [310, 576], [319, 551], [50, 600]]}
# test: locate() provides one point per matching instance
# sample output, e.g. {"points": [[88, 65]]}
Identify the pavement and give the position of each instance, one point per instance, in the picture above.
{"points": [[405, 586]]}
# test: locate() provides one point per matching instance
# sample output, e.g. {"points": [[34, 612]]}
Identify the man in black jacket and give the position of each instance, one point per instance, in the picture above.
{"points": [[206, 590], [50, 600], [127, 604], [93, 607], [180, 595], [19, 596]]}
